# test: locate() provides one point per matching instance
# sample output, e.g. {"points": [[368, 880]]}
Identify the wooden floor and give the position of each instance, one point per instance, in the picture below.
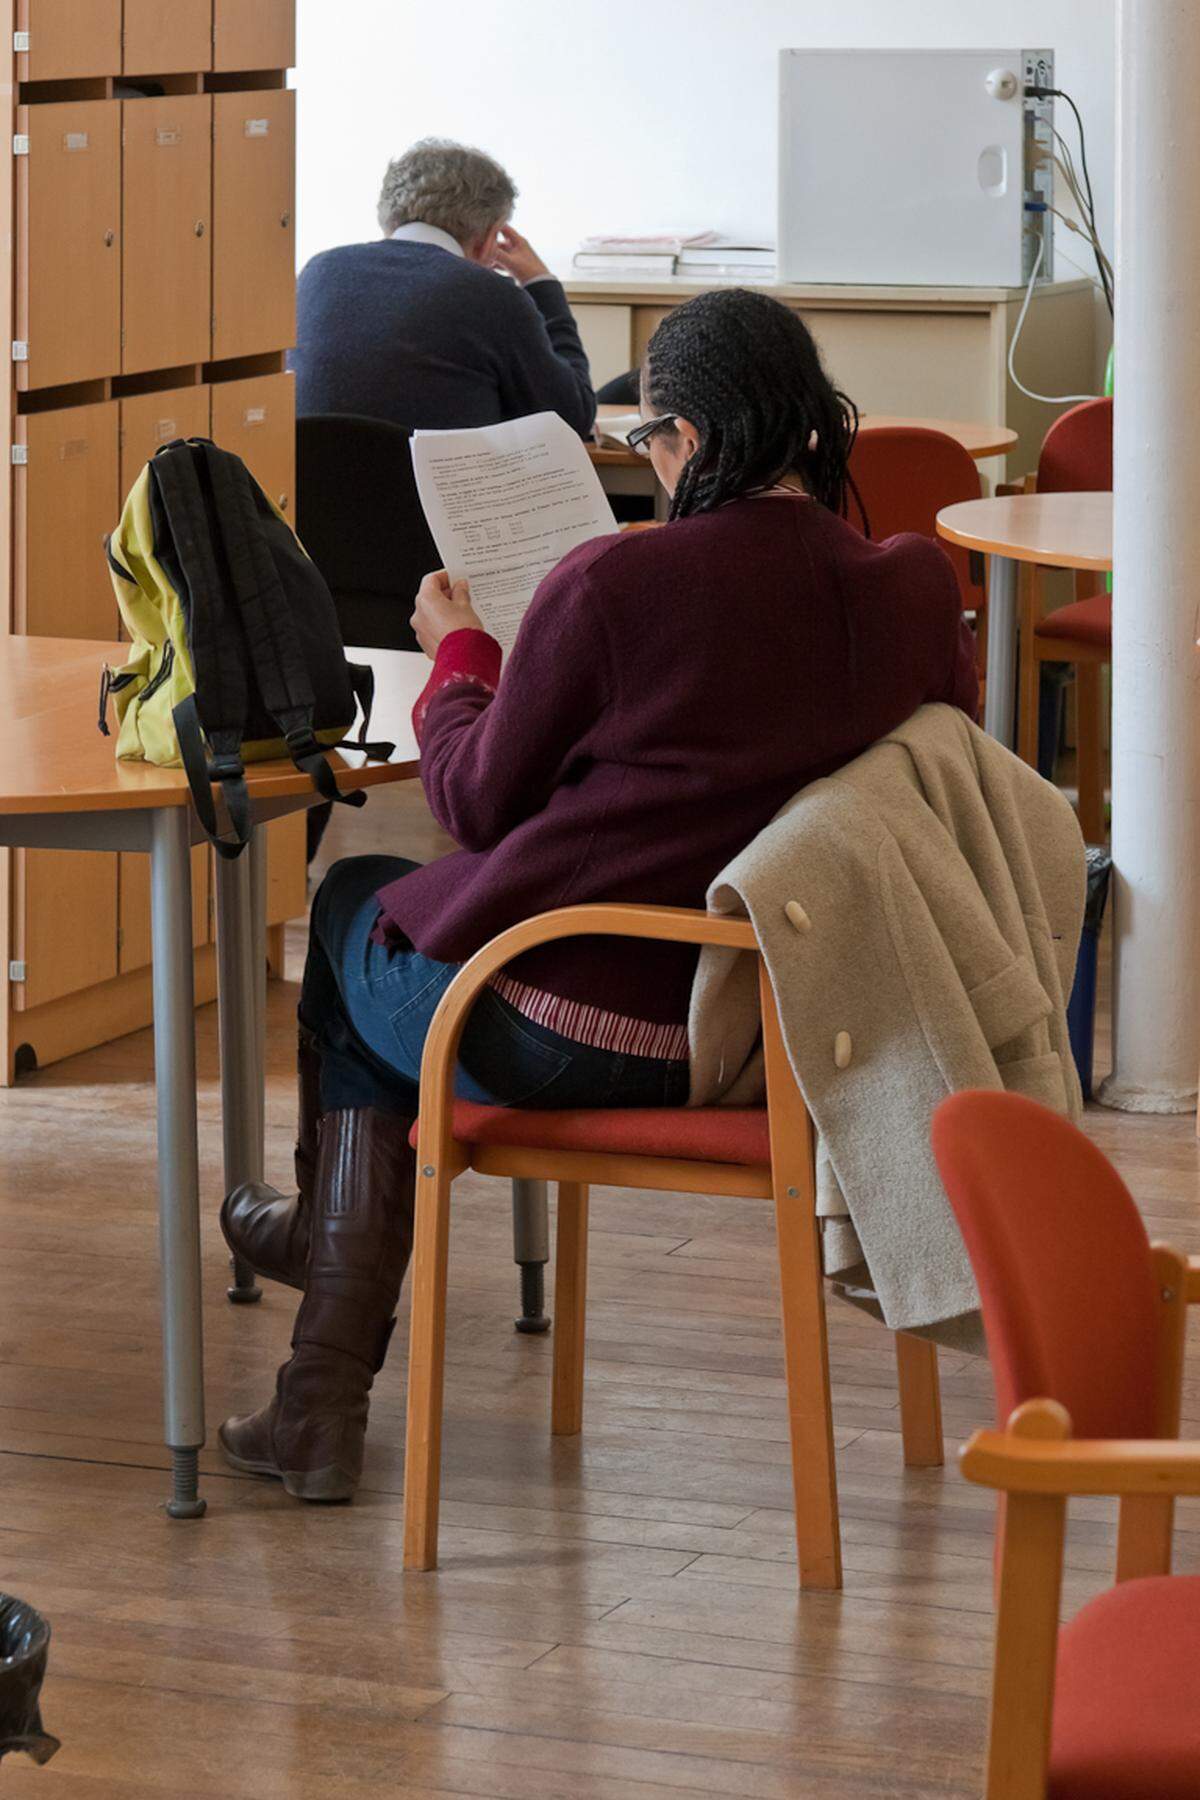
{"points": [[616, 1617]]}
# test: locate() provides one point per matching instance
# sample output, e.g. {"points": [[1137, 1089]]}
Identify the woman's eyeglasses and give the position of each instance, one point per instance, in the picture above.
{"points": [[638, 440]]}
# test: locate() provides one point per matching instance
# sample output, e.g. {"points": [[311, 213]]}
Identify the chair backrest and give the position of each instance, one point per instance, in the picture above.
{"points": [[1061, 1258], [1077, 451], [359, 518], [905, 474]]}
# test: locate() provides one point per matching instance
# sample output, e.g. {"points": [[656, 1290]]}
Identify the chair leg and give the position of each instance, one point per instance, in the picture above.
{"points": [[1089, 752], [426, 1371], [570, 1309], [810, 1409], [920, 1402]]}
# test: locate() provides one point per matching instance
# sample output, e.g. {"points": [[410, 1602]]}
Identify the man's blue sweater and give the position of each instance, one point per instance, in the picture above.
{"points": [[412, 333]]}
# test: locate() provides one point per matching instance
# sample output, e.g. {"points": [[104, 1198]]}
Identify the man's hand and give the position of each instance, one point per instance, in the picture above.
{"points": [[440, 609], [516, 256]]}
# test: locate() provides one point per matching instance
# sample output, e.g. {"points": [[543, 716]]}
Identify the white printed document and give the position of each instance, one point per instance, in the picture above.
{"points": [[505, 503]]}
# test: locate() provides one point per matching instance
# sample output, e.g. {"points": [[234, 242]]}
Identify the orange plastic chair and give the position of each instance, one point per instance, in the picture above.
{"points": [[1076, 459], [763, 1153], [1085, 1327], [905, 474]]}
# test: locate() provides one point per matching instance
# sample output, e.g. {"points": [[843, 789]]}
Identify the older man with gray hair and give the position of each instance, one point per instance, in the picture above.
{"points": [[451, 319]]}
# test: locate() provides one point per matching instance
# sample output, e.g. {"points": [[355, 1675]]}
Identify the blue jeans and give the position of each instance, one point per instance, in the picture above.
{"points": [[370, 1006]]}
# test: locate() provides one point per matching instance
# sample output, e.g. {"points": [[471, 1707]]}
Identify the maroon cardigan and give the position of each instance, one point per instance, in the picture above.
{"points": [[668, 691]]}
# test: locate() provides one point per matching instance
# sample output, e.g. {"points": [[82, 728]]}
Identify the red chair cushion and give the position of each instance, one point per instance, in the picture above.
{"points": [[1086, 621], [720, 1134], [1127, 1695]]}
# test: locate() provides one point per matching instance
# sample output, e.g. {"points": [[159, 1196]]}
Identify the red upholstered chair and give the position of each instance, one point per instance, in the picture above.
{"points": [[1085, 1323], [1076, 459], [905, 474], [762, 1153]]}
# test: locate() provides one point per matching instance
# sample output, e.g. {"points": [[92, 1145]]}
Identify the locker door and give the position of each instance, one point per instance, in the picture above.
{"points": [[257, 419], [69, 37], [254, 34], [133, 913], [165, 37], [65, 919], [66, 501], [254, 199], [148, 420], [68, 231], [167, 199]]}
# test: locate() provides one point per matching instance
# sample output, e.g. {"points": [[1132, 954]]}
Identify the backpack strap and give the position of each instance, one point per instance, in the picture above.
{"points": [[216, 711], [283, 679], [362, 685]]}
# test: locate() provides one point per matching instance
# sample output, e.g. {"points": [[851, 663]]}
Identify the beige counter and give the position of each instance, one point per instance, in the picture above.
{"points": [[933, 352]]}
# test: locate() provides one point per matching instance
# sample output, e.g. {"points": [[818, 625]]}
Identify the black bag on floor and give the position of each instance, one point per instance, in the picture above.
{"points": [[24, 1643]]}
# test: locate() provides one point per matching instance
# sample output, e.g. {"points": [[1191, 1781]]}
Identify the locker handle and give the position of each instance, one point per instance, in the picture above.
{"points": [[110, 238], [285, 219], [199, 227]]}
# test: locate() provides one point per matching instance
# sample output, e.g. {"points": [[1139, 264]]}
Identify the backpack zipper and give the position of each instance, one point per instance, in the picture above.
{"points": [[164, 670]]}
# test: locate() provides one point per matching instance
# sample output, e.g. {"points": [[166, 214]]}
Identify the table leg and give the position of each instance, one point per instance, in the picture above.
{"points": [[1000, 703], [531, 1251], [241, 1034], [178, 1158]]}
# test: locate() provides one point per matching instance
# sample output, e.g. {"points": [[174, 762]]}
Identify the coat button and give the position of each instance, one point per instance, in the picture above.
{"points": [[843, 1050], [797, 916]]}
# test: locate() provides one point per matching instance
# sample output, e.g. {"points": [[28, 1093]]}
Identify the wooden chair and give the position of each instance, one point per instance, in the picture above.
{"points": [[1076, 458], [1085, 1325], [904, 475], [763, 1153]]}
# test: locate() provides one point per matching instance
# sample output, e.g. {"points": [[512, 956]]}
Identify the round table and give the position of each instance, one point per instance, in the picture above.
{"points": [[62, 788], [1060, 531]]}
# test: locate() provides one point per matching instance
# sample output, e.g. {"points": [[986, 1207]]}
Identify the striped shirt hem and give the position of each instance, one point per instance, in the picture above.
{"points": [[592, 1025]]}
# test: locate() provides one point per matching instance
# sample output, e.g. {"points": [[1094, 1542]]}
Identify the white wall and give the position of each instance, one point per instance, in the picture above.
{"points": [[627, 114]]}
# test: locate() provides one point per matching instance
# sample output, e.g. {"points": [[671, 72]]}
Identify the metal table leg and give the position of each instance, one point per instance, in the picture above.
{"points": [[178, 1159], [239, 1032], [999, 705], [531, 1251]]}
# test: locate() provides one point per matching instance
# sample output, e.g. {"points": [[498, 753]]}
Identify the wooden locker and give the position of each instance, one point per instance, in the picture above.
{"points": [[167, 197], [256, 418], [68, 289], [65, 922], [69, 38], [149, 420], [254, 240], [254, 34], [66, 500], [167, 37], [133, 912]]}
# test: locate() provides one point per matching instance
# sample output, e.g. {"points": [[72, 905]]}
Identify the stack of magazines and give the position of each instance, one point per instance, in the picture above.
{"points": [[668, 253]]}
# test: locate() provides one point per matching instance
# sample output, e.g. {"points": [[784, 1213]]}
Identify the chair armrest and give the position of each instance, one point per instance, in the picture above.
{"points": [[1023, 1465], [1192, 1288], [668, 924]]}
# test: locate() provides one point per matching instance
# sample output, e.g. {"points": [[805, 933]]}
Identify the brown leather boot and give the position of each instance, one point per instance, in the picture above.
{"points": [[267, 1229], [311, 1434]]}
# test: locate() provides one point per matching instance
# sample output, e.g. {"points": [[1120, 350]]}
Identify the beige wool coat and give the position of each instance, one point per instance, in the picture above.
{"points": [[919, 913]]}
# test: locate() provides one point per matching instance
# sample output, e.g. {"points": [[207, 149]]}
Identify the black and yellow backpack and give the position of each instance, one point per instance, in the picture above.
{"points": [[236, 653]]}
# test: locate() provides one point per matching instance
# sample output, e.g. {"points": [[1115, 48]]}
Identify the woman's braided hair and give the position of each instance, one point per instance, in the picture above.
{"points": [[744, 369]]}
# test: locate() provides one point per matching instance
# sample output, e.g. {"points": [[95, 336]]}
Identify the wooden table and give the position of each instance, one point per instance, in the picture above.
{"points": [[61, 788], [979, 440], [1062, 531]]}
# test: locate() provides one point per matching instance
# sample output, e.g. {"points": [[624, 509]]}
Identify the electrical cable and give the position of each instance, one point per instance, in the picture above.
{"points": [[1048, 399], [1045, 93]]}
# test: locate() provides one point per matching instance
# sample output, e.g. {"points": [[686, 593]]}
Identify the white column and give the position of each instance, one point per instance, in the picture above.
{"points": [[1156, 665]]}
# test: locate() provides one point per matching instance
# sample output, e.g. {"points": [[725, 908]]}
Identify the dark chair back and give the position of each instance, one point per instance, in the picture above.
{"points": [[359, 518]]}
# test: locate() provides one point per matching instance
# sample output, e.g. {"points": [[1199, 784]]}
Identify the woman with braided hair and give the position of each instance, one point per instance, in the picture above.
{"points": [[668, 691]]}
